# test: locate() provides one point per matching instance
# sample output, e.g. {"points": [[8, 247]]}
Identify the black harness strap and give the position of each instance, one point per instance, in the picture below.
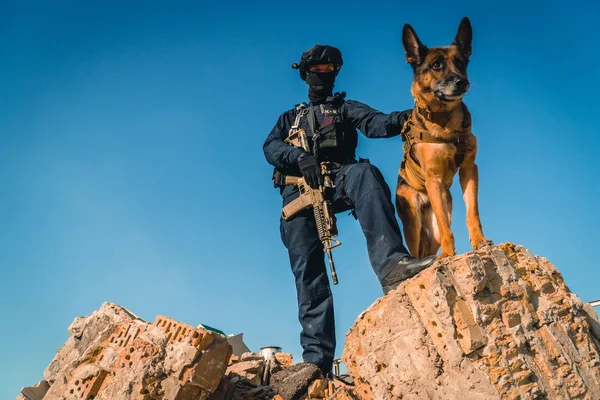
{"points": [[312, 122]]}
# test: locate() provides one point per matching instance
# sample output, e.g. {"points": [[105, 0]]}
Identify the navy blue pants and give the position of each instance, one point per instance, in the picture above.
{"points": [[359, 186]]}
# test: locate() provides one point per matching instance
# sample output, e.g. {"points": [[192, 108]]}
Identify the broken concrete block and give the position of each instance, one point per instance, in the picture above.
{"points": [[36, 392], [211, 366], [85, 383], [175, 331], [235, 387], [497, 323], [174, 390], [318, 389], [284, 359], [90, 330], [344, 394], [113, 355], [249, 356], [179, 356], [251, 370], [292, 383]]}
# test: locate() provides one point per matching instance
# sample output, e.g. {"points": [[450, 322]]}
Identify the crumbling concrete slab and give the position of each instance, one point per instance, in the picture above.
{"points": [[498, 323]]}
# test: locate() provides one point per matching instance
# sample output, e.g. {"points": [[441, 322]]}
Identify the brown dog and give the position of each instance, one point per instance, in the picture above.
{"points": [[438, 143]]}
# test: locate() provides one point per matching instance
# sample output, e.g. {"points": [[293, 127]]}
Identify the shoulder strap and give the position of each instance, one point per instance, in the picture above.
{"points": [[312, 120], [301, 109]]}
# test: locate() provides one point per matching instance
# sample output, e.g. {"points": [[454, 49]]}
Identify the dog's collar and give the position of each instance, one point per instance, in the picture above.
{"points": [[431, 115]]}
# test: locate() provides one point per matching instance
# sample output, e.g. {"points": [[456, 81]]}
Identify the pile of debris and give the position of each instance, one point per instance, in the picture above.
{"points": [[114, 355], [494, 324]]}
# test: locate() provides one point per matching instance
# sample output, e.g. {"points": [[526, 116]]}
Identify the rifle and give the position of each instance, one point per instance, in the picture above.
{"points": [[317, 199]]}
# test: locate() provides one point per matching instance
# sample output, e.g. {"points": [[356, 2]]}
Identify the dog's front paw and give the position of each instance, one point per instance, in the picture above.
{"points": [[482, 243], [444, 255]]}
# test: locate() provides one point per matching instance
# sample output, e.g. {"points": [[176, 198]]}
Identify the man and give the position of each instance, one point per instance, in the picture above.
{"points": [[358, 186]]}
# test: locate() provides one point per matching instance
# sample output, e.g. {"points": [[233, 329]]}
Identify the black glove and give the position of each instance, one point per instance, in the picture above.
{"points": [[311, 171]]}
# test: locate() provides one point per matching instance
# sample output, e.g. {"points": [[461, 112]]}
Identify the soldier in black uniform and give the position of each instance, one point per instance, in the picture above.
{"points": [[358, 186]]}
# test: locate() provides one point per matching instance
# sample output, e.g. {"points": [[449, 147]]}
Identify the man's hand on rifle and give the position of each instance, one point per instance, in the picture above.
{"points": [[311, 171]]}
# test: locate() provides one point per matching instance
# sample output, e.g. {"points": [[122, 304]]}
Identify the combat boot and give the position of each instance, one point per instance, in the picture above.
{"points": [[406, 268]]}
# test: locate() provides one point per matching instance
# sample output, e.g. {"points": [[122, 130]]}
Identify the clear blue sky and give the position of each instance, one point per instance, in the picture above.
{"points": [[131, 163]]}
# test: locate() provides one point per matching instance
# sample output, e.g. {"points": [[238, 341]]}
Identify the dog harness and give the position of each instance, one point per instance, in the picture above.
{"points": [[410, 169]]}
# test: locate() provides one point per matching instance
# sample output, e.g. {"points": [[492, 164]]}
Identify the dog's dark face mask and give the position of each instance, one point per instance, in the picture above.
{"points": [[451, 87], [320, 85]]}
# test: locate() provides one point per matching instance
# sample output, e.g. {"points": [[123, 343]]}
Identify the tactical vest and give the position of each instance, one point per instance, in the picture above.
{"points": [[410, 169], [336, 138]]}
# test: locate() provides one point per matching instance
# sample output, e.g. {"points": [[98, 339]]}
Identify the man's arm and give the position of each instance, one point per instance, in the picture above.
{"points": [[373, 123], [277, 152]]}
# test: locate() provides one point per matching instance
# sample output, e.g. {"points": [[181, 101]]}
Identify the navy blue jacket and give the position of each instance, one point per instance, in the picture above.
{"points": [[353, 115]]}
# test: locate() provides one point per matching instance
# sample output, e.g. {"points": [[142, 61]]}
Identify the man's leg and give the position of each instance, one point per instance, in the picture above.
{"points": [[363, 187], [315, 302]]}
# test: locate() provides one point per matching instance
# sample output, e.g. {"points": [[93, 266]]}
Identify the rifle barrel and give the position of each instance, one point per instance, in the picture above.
{"points": [[332, 266]]}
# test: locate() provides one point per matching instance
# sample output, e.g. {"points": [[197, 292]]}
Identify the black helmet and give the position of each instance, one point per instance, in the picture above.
{"points": [[319, 54]]}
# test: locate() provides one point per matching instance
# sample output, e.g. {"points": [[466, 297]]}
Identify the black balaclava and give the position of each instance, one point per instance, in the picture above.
{"points": [[320, 85]]}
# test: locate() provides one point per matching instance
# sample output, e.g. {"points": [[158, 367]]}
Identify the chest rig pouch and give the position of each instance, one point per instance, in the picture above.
{"points": [[332, 138], [330, 135]]}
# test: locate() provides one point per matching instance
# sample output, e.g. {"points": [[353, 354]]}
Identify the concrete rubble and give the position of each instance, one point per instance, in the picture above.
{"points": [[114, 355], [498, 323]]}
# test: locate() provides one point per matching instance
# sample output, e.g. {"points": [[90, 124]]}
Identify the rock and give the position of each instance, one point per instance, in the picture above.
{"points": [[292, 383], [211, 366], [255, 368], [593, 318], [90, 331], [36, 392], [251, 370], [249, 356], [235, 387], [284, 359], [179, 356], [318, 389], [114, 355], [344, 394], [498, 323], [76, 327]]}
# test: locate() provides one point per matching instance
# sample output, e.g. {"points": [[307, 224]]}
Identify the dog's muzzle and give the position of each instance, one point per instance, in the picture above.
{"points": [[452, 88]]}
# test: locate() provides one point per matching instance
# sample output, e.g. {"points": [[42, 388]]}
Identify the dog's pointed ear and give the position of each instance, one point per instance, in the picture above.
{"points": [[464, 37], [415, 50]]}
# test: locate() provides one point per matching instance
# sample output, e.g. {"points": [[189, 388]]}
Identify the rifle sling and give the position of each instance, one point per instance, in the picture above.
{"points": [[312, 122]]}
